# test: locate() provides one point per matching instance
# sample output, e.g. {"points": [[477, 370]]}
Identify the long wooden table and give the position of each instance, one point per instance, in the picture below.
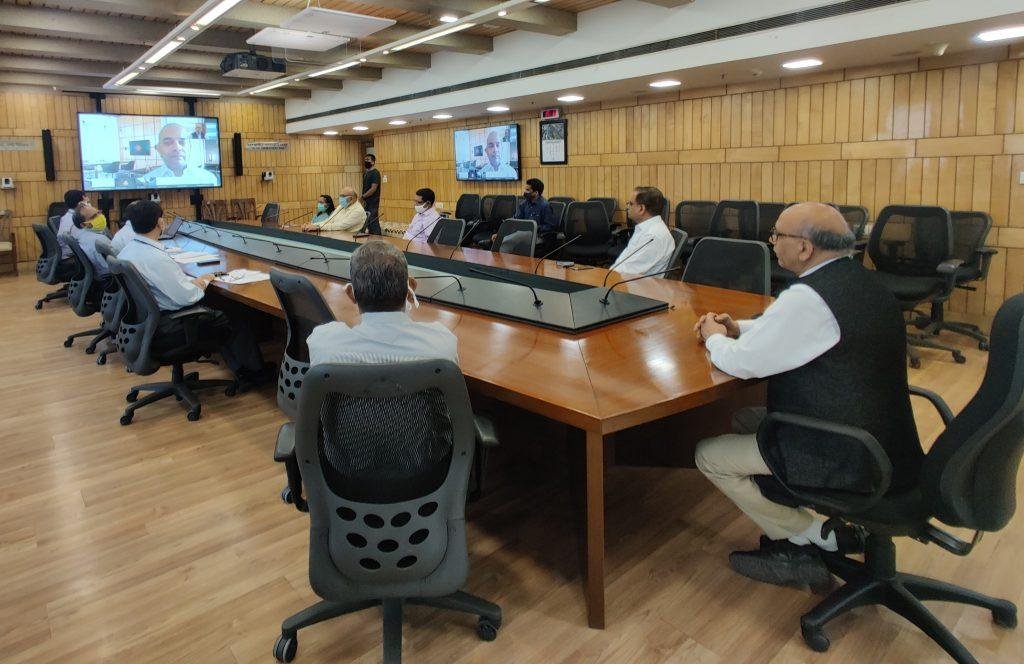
{"points": [[602, 381]]}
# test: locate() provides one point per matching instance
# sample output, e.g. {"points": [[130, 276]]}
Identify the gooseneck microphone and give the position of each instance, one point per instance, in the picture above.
{"points": [[536, 300], [287, 223], [472, 227], [556, 249], [604, 300], [442, 276], [622, 260], [419, 234]]}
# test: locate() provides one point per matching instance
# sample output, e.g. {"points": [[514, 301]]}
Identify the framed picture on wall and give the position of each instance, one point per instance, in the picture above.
{"points": [[554, 141]]}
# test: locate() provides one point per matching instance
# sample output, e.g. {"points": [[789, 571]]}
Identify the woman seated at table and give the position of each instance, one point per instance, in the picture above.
{"points": [[324, 209], [348, 216]]}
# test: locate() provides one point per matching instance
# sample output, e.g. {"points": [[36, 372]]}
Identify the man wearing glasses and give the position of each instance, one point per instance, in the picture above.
{"points": [[833, 347]]}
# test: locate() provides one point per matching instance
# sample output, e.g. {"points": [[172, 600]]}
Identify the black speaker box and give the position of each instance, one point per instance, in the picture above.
{"points": [[51, 173], [236, 152]]}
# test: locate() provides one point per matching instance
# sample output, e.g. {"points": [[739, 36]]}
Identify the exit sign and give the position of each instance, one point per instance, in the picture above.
{"points": [[550, 113]]}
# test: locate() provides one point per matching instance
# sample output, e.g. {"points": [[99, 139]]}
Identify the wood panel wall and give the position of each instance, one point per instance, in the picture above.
{"points": [[310, 165], [947, 131]]}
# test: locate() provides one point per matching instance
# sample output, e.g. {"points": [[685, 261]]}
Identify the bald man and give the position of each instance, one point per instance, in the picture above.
{"points": [[172, 147], [348, 215], [493, 169], [832, 347]]}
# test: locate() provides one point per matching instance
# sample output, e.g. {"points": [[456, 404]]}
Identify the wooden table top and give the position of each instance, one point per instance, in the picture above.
{"points": [[605, 380]]}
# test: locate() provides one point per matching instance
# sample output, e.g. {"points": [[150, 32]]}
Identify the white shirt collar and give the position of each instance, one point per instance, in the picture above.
{"points": [[812, 270], [384, 317], [143, 238]]}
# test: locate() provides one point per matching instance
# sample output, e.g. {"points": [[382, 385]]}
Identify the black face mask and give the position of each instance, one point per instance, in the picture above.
{"points": [[368, 164]]}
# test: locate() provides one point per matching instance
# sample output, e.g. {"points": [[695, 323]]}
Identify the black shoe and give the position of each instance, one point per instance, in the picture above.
{"points": [[849, 538], [782, 563], [250, 378]]}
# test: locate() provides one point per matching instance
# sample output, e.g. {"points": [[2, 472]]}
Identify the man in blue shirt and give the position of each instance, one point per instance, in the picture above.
{"points": [[536, 207]]}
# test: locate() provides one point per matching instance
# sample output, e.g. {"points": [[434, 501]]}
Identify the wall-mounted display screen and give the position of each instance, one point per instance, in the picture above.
{"points": [[487, 154], [122, 152]]}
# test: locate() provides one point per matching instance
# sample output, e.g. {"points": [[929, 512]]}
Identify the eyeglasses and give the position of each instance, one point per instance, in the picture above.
{"points": [[774, 235]]}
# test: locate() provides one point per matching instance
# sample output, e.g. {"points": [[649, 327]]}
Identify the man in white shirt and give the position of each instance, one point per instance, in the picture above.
{"points": [[349, 215], [493, 168], [833, 347], [650, 249], [175, 290], [76, 201], [171, 144], [124, 234], [383, 291], [423, 222]]}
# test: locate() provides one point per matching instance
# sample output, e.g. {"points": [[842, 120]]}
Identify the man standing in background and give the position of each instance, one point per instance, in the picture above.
{"points": [[371, 194]]}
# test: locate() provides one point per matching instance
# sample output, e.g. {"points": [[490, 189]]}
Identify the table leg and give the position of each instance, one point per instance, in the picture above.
{"points": [[594, 583]]}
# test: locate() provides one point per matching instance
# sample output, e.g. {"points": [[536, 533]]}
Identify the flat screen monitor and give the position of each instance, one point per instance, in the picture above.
{"points": [[123, 152], [491, 153]]}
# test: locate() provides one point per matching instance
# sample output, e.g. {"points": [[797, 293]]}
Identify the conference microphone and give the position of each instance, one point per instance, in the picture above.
{"points": [[259, 239], [462, 239], [442, 276], [556, 249], [621, 260], [604, 300], [288, 222], [209, 228], [536, 300], [420, 233]]}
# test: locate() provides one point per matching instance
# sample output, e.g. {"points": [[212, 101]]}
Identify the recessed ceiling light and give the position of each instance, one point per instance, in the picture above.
{"points": [[665, 83], [1002, 33], [803, 63], [497, 109], [443, 116], [359, 128], [194, 27], [448, 18], [217, 11], [540, 2], [387, 52], [503, 13], [362, 59], [126, 78], [397, 123], [330, 132], [570, 98]]}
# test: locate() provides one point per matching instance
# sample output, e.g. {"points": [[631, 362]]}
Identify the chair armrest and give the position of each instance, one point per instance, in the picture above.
{"points": [[285, 448], [185, 313], [949, 267], [945, 412], [486, 435], [985, 254], [833, 501]]}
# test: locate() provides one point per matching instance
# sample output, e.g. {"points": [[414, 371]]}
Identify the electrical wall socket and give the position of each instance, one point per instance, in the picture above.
{"points": [[268, 176], [385, 178], [7, 182]]}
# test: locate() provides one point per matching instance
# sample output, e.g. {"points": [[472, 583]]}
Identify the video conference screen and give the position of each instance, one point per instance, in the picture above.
{"points": [[487, 154], [148, 151]]}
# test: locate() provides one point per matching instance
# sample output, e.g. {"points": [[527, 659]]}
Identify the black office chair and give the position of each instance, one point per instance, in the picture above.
{"points": [[558, 214], [494, 209], [56, 209], [609, 205], [768, 215], [516, 236], [112, 307], [856, 217], [447, 232], [967, 480], [970, 230], [694, 217], [84, 293], [50, 269], [679, 237], [53, 223], [385, 452], [726, 263], [304, 308], [136, 340], [564, 200], [911, 247], [468, 207], [590, 220], [271, 214], [736, 219]]}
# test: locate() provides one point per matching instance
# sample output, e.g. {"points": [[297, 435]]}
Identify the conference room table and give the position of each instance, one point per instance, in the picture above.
{"points": [[602, 381]]}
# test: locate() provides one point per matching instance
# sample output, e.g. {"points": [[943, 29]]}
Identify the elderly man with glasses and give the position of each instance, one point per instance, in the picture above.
{"points": [[833, 347]]}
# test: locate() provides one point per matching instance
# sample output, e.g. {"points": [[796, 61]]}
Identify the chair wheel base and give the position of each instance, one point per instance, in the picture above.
{"points": [[89, 350], [982, 345], [68, 342], [126, 419], [915, 363], [1005, 617], [959, 357], [39, 305], [101, 360], [195, 414], [815, 638], [487, 629], [285, 648], [286, 495], [132, 396]]}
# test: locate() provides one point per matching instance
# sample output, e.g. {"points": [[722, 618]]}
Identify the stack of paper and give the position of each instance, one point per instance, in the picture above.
{"points": [[241, 276], [195, 257]]}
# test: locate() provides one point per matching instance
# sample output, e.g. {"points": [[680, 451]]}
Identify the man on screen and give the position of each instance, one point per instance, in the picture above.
{"points": [[171, 147], [493, 169]]}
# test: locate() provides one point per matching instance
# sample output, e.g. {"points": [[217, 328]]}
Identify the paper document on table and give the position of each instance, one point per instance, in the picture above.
{"points": [[195, 257], [173, 250], [241, 276]]}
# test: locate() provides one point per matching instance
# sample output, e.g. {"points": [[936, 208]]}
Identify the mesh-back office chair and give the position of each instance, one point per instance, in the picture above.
{"points": [[304, 308], [82, 292], [911, 247], [50, 269], [558, 214], [56, 209], [970, 230], [564, 200], [590, 220], [468, 207], [968, 480], [112, 307], [137, 340], [609, 204], [385, 452], [736, 219], [666, 212], [271, 214], [856, 217], [447, 232], [679, 237], [53, 223], [694, 217], [516, 236], [768, 215], [741, 265]]}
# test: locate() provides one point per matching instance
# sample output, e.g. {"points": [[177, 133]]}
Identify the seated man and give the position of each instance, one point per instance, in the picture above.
{"points": [[175, 290], [383, 291], [536, 207], [650, 249], [423, 222], [76, 201], [348, 215], [103, 281], [833, 347], [124, 234]]}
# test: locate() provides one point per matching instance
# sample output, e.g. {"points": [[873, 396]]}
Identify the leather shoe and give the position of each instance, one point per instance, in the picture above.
{"points": [[782, 563]]}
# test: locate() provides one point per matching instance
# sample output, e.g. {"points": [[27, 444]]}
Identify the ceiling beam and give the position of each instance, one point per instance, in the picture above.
{"points": [[401, 60], [545, 20], [88, 84], [459, 42], [668, 3]]}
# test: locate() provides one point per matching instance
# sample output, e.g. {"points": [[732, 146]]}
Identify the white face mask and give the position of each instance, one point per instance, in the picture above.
{"points": [[413, 303], [420, 209]]}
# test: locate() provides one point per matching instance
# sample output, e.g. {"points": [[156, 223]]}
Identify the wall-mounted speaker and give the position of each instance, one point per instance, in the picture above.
{"points": [[51, 173], [236, 152]]}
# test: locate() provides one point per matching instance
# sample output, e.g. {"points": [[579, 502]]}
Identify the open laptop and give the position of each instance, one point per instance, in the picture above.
{"points": [[172, 229]]}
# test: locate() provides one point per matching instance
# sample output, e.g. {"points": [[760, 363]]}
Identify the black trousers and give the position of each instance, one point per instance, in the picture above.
{"points": [[227, 327], [373, 220]]}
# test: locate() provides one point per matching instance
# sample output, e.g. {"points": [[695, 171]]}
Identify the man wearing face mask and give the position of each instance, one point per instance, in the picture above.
{"points": [[651, 247], [348, 215], [371, 194], [423, 222], [382, 289]]}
